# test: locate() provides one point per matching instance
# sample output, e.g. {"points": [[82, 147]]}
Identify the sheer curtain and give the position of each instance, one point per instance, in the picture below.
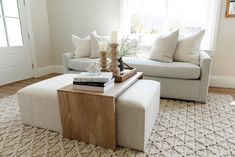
{"points": [[202, 14]]}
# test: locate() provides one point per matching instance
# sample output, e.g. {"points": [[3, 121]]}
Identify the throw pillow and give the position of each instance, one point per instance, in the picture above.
{"points": [[164, 47], [188, 48], [82, 46], [95, 39]]}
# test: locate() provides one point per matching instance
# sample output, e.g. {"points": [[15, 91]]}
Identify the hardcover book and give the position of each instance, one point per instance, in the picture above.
{"points": [[87, 77], [93, 88], [97, 84]]}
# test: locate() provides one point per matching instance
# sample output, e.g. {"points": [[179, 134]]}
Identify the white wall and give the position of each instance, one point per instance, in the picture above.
{"points": [[79, 17], [40, 34], [223, 68]]}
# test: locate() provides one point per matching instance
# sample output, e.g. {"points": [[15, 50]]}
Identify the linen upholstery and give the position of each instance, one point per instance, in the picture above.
{"points": [[81, 64], [82, 46], [177, 70], [95, 39], [188, 48], [39, 102], [137, 109], [163, 48], [197, 87]]}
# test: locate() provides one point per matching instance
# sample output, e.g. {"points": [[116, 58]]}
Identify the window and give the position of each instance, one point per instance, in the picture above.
{"points": [[146, 18], [10, 28]]}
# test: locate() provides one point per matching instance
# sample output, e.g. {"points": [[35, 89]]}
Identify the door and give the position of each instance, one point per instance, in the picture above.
{"points": [[15, 55]]}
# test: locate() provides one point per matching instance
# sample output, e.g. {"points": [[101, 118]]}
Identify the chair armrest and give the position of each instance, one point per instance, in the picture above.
{"points": [[205, 66], [66, 57]]}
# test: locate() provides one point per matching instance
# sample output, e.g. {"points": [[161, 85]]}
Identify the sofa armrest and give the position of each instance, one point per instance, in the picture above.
{"points": [[205, 65], [66, 57]]}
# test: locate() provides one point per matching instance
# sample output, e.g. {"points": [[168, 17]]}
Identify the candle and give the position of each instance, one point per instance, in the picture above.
{"points": [[103, 46], [114, 37]]}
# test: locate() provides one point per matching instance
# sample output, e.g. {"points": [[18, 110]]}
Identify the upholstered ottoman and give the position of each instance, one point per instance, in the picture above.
{"points": [[137, 109], [39, 102]]}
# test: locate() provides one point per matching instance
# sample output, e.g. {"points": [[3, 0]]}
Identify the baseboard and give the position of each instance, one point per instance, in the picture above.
{"points": [[48, 70], [58, 69], [222, 81]]}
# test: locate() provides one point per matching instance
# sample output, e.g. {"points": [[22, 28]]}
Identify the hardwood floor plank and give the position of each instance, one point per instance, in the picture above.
{"points": [[12, 88]]}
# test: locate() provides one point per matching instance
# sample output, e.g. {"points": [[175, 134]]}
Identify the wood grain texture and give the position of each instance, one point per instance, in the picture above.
{"points": [[112, 92], [89, 116]]}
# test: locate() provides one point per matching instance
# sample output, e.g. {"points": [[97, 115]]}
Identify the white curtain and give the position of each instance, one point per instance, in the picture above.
{"points": [[205, 13], [213, 15]]}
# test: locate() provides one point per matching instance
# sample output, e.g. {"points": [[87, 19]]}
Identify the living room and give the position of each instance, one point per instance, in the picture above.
{"points": [[178, 77]]}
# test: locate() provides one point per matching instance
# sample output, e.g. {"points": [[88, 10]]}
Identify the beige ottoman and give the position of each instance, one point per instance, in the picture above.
{"points": [[39, 102], [137, 110]]}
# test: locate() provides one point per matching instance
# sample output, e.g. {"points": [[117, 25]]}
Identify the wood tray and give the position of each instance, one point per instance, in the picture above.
{"points": [[123, 77]]}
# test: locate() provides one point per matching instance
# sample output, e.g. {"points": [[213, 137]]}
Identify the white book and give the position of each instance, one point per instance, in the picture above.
{"points": [[93, 88], [87, 77]]}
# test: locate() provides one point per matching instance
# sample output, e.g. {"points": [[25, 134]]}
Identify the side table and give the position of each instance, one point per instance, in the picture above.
{"points": [[90, 117]]}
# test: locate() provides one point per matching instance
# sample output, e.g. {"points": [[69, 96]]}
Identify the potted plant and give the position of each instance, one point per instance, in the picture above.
{"points": [[128, 48]]}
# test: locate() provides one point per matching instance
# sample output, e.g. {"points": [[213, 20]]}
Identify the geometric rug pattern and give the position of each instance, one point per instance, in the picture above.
{"points": [[182, 129]]}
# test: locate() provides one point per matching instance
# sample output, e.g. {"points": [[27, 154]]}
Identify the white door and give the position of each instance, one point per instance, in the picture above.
{"points": [[15, 55]]}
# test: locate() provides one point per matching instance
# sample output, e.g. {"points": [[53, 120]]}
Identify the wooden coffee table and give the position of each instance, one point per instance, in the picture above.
{"points": [[90, 117]]}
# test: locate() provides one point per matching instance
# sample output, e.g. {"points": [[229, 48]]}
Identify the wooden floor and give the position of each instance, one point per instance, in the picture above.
{"points": [[12, 88]]}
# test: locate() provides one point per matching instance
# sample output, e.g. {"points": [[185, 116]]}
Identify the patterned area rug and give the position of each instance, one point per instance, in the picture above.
{"points": [[182, 129]]}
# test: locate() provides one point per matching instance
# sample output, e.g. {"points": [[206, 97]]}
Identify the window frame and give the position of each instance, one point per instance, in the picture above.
{"points": [[5, 27]]}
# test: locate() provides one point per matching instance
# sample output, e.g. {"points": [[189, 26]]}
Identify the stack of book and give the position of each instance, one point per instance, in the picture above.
{"points": [[87, 82]]}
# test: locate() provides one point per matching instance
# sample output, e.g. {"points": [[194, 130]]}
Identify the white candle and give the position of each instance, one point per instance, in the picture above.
{"points": [[114, 37], [103, 46]]}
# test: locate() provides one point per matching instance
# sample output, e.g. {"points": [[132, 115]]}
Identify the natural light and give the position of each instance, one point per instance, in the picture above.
{"points": [[149, 17], [156, 16]]}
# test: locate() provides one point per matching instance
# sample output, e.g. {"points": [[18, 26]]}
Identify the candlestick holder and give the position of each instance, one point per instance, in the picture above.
{"points": [[103, 61], [114, 59]]}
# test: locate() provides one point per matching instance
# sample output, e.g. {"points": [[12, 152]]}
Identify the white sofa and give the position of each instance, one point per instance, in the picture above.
{"points": [[179, 80]]}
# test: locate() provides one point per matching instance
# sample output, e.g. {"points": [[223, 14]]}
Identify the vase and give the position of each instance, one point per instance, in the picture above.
{"points": [[121, 65]]}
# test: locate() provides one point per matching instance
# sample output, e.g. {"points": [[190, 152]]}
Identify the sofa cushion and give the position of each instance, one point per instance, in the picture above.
{"points": [[179, 70], [188, 48], [163, 48], [81, 64]]}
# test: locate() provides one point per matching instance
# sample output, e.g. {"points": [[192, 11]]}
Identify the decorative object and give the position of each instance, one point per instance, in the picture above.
{"points": [[230, 9], [95, 39], [94, 68], [103, 56], [189, 47], [130, 71], [121, 65], [128, 47], [82, 46], [114, 37], [182, 129], [114, 59], [163, 48]]}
